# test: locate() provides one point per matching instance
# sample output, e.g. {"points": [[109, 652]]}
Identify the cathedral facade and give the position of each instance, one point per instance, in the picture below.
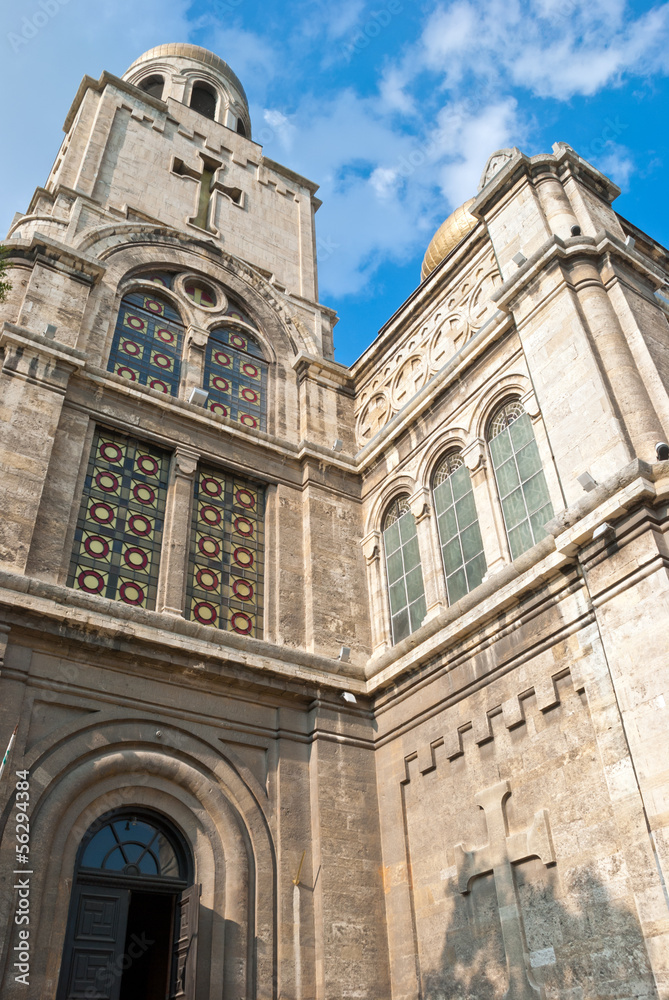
{"points": [[321, 682]]}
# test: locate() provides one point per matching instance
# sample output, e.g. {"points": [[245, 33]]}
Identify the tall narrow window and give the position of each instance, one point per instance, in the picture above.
{"points": [[147, 342], [235, 374], [119, 532], [520, 479], [405, 577], [203, 100], [459, 534], [225, 577]]}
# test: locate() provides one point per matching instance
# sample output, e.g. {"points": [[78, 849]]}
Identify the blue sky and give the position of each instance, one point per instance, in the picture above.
{"points": [[392, 107]]}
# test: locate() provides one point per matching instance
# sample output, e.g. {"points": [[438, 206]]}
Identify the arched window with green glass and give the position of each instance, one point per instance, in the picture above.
{"points": [[405, 577], [521, 483], [459, 534]]}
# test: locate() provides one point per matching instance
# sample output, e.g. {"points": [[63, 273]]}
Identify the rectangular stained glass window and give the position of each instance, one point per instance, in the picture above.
{"points": [[521, 483], [119, 532], [225, 575], [459, 534], [405, 577], [147, 343], [236, 378]]}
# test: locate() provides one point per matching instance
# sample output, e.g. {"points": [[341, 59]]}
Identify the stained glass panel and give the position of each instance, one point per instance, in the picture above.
{"points": [[225, 576], [147, 341], [459, 534], [236, 378], [520, 479], [236, 312], [119, 532]]}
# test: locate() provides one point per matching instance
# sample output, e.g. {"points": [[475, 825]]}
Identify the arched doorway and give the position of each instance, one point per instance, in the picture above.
{"points": [[132, 924]]}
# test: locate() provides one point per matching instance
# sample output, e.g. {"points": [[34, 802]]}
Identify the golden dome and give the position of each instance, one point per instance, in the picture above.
{"points": [[455, 228]]}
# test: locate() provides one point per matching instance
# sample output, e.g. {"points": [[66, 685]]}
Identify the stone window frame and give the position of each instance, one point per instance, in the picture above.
{"points": [[223, 100], [452, 452], [531, 410], [405, 542]]}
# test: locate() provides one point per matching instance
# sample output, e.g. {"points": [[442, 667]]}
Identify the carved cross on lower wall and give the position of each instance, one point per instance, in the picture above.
{"points": [[497, 857]]}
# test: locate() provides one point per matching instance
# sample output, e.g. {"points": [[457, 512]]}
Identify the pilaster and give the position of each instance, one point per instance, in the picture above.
{"points": [[177, 533]]}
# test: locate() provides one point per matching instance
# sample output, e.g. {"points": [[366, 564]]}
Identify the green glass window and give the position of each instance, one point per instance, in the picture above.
{"points": [[520, 479], [119, 532], [459, 534], [225, 574], [405, 577]]}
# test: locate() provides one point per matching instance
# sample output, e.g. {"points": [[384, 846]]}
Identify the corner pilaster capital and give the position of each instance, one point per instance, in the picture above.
{"points": [[185, 462], [371, 547], [474, 455], [197, 336], [420, 504], [530, 403]]}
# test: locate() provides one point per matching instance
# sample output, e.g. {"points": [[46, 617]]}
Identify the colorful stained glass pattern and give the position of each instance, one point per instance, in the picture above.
{"points": [[161, 278], [147, 342], [403, 569], [225, 577], [119, 531], [520, 478], [200, 294], [236, 312], [459, 534], [235, 376]]}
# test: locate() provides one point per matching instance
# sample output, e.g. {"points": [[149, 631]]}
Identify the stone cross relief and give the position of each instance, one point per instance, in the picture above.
{"points": [[497, 857]]}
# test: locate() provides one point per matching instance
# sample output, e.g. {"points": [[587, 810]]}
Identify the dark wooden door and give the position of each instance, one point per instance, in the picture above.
{"points": [[185, 946], [93, 954]]}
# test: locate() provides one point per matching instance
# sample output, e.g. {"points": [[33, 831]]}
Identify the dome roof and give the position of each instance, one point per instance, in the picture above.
{"points": [[196, 53], [455, 228]]}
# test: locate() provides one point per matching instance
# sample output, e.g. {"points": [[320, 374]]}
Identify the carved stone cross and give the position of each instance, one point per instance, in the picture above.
{"points": [[497, 857]]}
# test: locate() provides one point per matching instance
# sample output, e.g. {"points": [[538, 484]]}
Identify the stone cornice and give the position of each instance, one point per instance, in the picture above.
{"points": [[115, 626], [556, 249], [42, 247]]}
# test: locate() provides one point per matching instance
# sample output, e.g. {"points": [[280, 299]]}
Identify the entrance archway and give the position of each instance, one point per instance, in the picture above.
{"points": [[132, 924]]}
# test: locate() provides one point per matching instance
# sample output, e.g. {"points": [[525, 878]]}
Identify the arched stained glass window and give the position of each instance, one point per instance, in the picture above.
{"points": [[459, 534], [119, 531], [148, 341], [520, 478], [235, 375], [405, 577], [225, 573], [131, 845]]}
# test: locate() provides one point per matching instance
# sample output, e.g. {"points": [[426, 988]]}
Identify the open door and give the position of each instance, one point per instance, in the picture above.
{"points": [[185, 946], [93, 954]]}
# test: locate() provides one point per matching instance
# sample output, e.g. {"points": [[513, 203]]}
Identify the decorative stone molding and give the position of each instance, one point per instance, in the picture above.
{"points": [[196, 336], [497, 162], [185, 461], [529, 401], [474, 455], [420, 503], [371, 547]]}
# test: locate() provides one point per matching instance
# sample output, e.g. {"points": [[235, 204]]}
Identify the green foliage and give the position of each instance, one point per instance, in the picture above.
{"points": [[4, 284]]}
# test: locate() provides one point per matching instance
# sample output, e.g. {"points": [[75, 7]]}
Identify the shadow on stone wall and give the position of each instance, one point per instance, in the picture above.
{"points": [[582, 937]]}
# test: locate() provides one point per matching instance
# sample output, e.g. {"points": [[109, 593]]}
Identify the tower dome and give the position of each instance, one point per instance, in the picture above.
{"points": [[194, 76], [458, 225]]}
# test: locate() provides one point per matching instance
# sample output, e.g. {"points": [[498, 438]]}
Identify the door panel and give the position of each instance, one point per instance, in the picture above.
{"points": [[92, 958], [185, 948]]}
